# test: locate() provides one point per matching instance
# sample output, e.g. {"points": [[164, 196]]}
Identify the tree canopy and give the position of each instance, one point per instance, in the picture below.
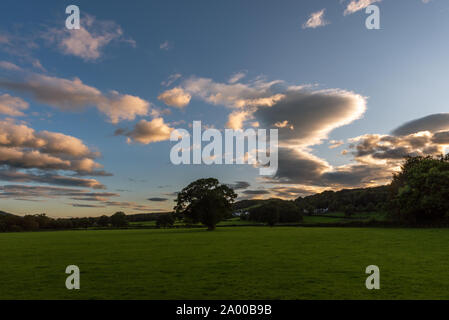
{"points": [[206, 201], [420, 191]]}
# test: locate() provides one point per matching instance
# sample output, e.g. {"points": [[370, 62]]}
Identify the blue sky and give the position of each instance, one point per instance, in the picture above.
{"points": [[397, 73]]}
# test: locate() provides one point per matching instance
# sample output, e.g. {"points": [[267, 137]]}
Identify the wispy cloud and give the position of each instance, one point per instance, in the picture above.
{"points": [[236, 77], [357, 5], [166, 45], [316, 20], [89, 41]]}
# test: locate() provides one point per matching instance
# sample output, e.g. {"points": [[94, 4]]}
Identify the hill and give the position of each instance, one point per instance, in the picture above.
{"points": [[361, 199], [3, 213]]}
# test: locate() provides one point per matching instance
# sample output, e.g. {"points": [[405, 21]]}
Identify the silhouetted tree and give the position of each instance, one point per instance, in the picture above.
{"points": [[118, 220], [165, 220], [103, 221], [206, 201]]}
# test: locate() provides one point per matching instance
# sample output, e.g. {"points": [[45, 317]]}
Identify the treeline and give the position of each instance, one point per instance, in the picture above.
{"points": [[13, 223], [141, 217], [274, 211], [348, 200]]}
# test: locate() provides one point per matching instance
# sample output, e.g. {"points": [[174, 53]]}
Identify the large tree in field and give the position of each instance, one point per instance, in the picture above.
{"points": [[206, 201], [420, 192]]}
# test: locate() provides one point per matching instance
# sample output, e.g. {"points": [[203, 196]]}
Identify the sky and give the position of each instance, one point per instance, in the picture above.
{"points": [[86, 114]]}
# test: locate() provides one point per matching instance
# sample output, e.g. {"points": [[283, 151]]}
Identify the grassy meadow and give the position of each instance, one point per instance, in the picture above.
{"points": [[229, 263]]}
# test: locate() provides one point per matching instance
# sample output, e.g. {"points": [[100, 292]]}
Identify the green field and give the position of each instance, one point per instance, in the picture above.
{"points": [[229, 263]]}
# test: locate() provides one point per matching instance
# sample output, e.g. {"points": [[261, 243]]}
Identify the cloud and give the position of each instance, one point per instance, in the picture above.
{"points": [[356, 5], [303, 115], [155, 199], [335, 144], [358, 175], [146, 132], [293, 192], [385, 147], [236, 77], [239, 185], [431, 123], [235, 95], [313, 174], [316, 20], [74, 95], [30, 192], [95, 199], [9, 66], [166, 45], [310, 115], [13, 135], [171, 79], [236, 119], [22, 148], [256, 192], [441, 137], [299, 167], [52, 179], [12, 106], [88, 41], [175, 97]]}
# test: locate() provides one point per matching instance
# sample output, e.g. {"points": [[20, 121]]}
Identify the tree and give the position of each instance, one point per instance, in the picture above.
{"points": [[103, 221], [419, 192], [165, 220], [118, 220], [275, 211], [206, 201], [350, 210]]}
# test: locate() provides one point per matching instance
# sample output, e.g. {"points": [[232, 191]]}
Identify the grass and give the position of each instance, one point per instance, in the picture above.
{"points": [[229, 263]]}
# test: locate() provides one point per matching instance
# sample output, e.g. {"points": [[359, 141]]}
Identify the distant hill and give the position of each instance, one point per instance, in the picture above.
{"points": [[369, 199], [3, 213], [362, 199], [249, 204]]}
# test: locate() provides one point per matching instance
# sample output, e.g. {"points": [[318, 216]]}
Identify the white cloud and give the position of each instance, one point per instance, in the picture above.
{"points": [[235, 95], [12, 106], [356, 5], [236, 77], [88, 41], [175, 97], [236, 119], [316, 20], [147, 132]]}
